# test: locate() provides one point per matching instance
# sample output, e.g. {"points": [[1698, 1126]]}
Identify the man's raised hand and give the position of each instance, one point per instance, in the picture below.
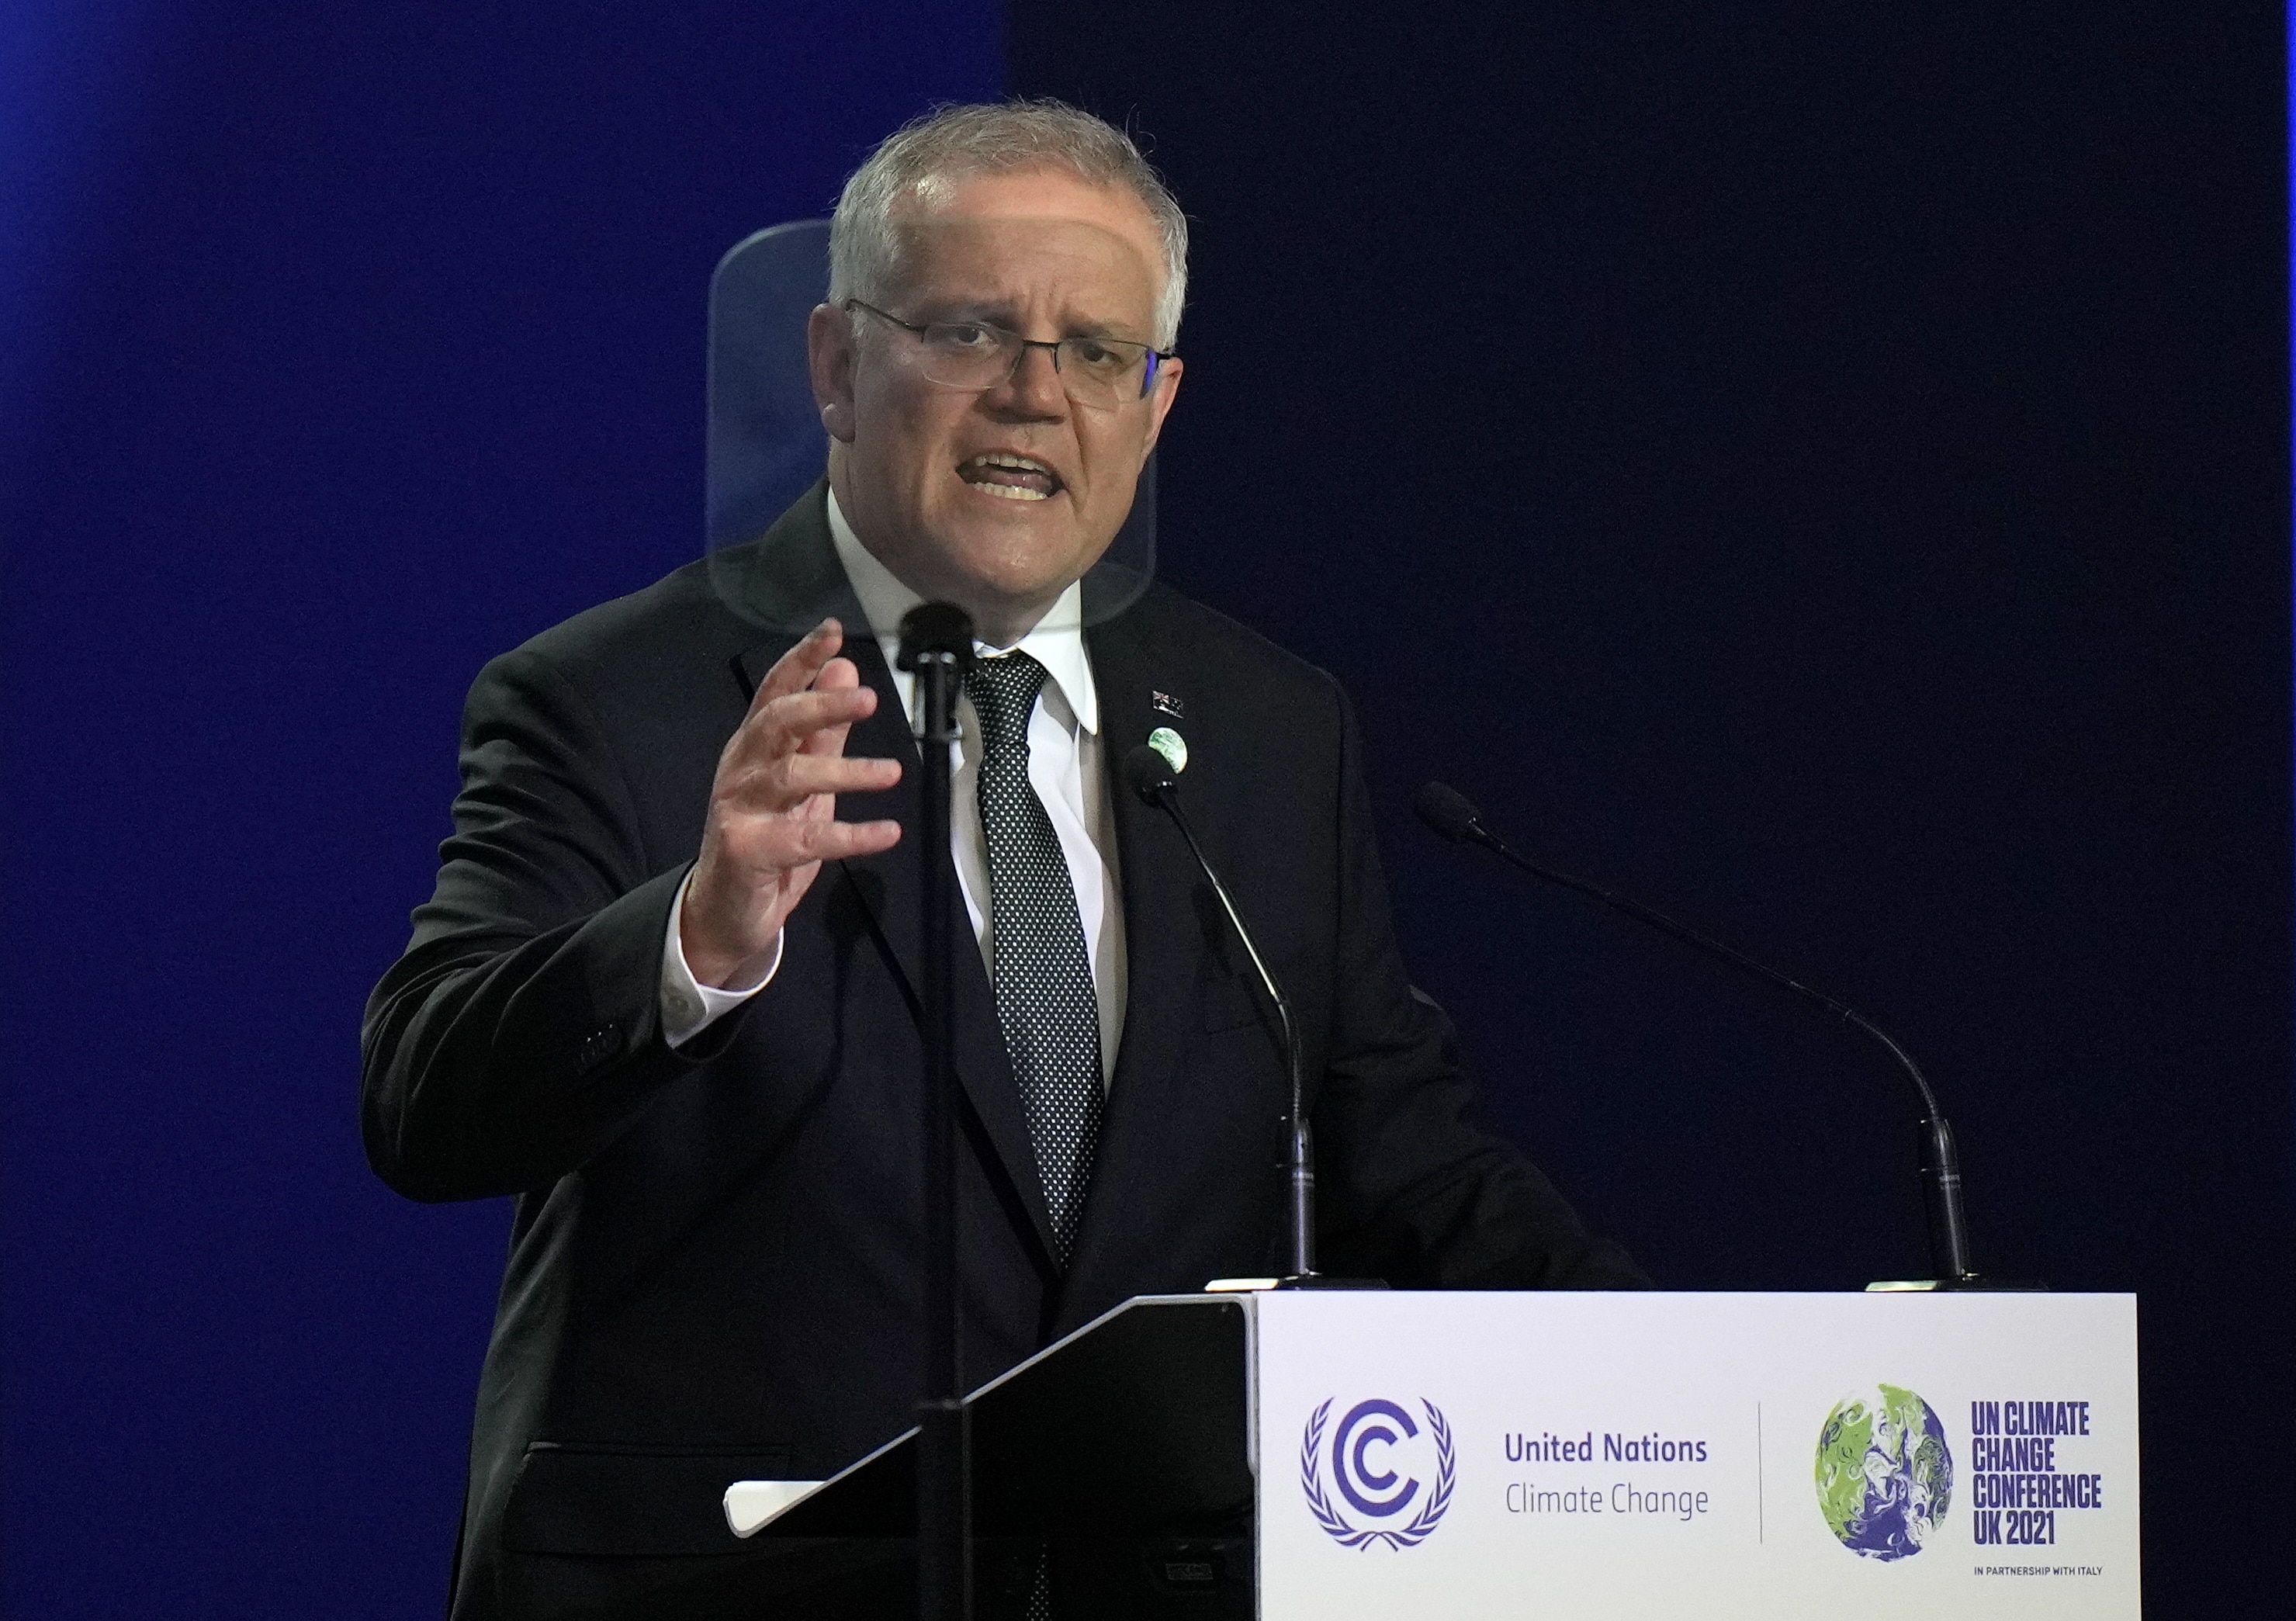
{"points": [[773, 809]]}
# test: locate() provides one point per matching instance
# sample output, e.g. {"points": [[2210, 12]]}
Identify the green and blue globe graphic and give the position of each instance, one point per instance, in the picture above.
{"points": [[1884, 1472]]}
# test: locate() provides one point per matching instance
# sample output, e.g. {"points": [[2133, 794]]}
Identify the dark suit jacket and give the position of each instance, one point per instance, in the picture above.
{"points": [[713, 1263]]}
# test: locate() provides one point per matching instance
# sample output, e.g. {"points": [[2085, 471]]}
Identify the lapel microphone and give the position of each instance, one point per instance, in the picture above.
{"points": [[1451, 815], [1149, 774]]}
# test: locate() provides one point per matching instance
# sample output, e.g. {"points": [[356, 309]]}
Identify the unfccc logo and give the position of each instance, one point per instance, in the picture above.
{"points": [[1371, 1446]]}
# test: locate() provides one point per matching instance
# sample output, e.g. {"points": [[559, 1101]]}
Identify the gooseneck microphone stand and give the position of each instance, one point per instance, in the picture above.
{"points": [[937, 644], [1450, 815], [1150, 776]]}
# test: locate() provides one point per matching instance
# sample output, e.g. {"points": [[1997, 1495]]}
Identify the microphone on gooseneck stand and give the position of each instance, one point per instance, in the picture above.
{"points": [[937, 644], [1452, 816], [1149, 774]]}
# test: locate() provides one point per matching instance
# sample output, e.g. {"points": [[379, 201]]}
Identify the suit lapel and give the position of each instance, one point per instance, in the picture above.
{"points": [[1157, 878], [808, 584]]}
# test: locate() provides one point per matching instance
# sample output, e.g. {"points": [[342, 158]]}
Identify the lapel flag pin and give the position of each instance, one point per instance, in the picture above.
{"points": [[1172, 746], [1164, 703]]}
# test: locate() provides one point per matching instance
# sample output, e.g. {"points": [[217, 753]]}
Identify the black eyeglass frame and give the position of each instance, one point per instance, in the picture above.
{"points": [[1154, 356]]}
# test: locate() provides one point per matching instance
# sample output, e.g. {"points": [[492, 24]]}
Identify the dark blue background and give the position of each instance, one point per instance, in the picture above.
{"points": [[380, 349], [1827, 474], [1822, 470]]}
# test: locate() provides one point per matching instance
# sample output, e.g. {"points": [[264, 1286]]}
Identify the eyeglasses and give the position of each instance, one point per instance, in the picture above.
{"points": [[1100, 374]]}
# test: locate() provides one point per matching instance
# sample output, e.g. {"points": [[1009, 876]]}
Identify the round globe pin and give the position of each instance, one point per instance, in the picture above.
{"points": [[1172, 746]]}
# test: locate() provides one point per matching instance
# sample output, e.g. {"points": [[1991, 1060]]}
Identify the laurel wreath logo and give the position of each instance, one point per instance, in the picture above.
{"points": [[1431, 1509]]}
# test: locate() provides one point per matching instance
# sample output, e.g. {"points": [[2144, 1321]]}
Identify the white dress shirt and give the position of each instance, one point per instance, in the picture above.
{"points": [[1065, 758]]}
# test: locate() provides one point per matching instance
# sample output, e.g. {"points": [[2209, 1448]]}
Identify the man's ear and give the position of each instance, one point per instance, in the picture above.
{"points": [[1160, 401], [829, 358]]}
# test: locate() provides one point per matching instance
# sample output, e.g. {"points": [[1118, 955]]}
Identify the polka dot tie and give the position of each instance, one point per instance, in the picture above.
{"points": [[1044, 999]]}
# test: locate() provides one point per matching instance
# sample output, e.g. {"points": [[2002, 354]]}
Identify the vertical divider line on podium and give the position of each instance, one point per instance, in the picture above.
{"points": [[1253, 1461], [1761, 1484]]}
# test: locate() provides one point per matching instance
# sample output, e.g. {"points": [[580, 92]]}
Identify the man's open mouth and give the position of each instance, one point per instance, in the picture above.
{"points": [[1015, 478]]}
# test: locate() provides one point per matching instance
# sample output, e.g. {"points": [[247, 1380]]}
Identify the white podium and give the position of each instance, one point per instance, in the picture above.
{"points": [[1339, 1454]]}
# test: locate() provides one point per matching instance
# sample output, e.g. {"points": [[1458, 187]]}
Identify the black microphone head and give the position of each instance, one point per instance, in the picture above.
{"points": [[935, 627], [1148, 774], [1448, 812]]}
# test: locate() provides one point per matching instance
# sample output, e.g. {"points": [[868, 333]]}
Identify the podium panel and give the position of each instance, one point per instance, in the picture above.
{"points": [[1627, 1457], [1662, 1455]]}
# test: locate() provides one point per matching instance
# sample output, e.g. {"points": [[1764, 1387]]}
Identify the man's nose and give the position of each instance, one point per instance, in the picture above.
{"points": [[1033, 387]]}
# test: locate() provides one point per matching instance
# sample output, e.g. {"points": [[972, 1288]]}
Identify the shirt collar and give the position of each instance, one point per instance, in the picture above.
{"points": [[1056, 642]]}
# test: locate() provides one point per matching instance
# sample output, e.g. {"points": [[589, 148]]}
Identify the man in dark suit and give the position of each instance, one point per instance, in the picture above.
{"points": [[665, 993]]}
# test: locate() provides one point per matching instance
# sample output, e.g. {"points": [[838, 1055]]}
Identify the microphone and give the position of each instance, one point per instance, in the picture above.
{"points": [[933, 630], [937, 644], [1452, 815], [1149, 774]]}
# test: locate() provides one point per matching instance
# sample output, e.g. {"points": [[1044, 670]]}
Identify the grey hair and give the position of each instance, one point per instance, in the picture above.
{"points": [[996, 138]]}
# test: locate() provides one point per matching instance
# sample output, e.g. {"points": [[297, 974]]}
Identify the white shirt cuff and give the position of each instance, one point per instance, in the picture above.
{"points": [[689, 1007]]}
